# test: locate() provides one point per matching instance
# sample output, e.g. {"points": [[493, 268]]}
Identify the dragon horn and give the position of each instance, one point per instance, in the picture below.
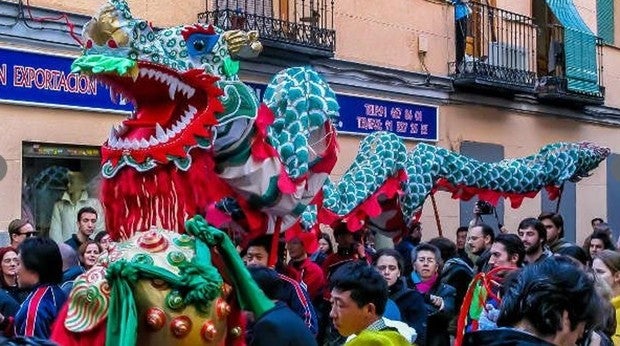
{"points": [[243, 44]]}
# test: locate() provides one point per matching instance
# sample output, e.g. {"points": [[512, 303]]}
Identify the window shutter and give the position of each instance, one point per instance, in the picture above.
{"points": [[605, 20]]}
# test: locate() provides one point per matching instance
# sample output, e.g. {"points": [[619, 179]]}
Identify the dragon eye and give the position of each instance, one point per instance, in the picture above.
{"points": [[199, 45]]}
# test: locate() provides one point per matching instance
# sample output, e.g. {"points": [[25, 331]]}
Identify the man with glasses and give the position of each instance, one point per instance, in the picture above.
{"points": [[20, 229], [479, 240]]}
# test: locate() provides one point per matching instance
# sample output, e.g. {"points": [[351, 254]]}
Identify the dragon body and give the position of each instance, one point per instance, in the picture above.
{"points": [[201, 142]]}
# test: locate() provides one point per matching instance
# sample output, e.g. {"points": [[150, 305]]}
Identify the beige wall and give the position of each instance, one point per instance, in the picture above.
{"points": [[371, 32], [587, 10], [160, 13], [46, 125], [611, 74]]}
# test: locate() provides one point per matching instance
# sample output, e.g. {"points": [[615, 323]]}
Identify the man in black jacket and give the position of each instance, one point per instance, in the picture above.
{"points": [[280, 325], [551, 303]]}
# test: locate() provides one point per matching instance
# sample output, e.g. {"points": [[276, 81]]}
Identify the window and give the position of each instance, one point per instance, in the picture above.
{"points": [[59, 179], [605, 20], [485, 152]]}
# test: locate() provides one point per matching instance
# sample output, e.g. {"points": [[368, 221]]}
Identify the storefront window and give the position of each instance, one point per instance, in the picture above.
{"points": [[58, 180]]}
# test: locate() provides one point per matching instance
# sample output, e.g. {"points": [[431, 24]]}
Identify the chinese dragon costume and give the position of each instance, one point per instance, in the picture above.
{"points": [[200, 142]]}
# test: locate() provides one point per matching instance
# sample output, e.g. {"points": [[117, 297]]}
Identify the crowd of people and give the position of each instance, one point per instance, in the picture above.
{"points": [[38, 274], [527, 286]]}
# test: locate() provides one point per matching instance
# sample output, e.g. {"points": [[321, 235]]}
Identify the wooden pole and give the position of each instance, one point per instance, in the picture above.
{"points": [[557, 206], [436, 215]]}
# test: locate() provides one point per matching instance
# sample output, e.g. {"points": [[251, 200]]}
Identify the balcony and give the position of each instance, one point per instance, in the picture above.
{"points": [[499, 52], [305, 26], [570, 73]]}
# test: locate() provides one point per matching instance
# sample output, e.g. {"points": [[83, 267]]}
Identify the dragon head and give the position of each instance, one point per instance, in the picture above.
{"points": [[590, 156], [170, 75]]}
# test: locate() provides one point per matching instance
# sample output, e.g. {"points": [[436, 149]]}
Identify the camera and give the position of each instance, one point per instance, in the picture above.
{"points": [[484, 207]]}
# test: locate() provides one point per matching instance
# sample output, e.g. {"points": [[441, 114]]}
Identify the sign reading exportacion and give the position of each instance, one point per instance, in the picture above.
{"points": [[46, 80], [364, 115]]}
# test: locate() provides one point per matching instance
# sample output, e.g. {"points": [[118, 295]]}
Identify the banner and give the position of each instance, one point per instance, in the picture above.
{"points": [[46, 80]]}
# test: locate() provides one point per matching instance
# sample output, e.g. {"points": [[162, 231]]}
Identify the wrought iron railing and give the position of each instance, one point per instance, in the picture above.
{"points": [[500, 48], [305, 23]]}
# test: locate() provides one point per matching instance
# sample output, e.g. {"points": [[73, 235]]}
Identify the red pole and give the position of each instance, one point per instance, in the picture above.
{"points": [[275, 241]]}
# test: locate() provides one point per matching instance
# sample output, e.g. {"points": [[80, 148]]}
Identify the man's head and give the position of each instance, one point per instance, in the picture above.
{"points": [[86, 220], [596, 221], [554, 299], [414, 230], [20, 229], [599, 241], [507, 251], [345, 239], [267, 280], [533, 235], [480, 238], [358, 296], [257, 253], [446, 247], [461, 237], [554, 224], [296, 249], [604, 226], [389, 263], [40, 262]]}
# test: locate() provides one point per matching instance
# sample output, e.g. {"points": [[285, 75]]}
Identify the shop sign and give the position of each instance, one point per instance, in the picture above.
{"points": [[364, 115], [46, 80]]}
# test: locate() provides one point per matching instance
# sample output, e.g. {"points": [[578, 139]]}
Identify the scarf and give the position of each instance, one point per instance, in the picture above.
{"points": [[425, 286]]}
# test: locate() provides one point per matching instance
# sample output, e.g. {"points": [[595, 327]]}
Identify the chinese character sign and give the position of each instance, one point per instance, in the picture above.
{"points": [[362, 115], [365, 115]]}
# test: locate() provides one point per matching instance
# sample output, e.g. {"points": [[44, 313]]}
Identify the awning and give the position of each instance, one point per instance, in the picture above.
{"points": [[579, 48]]}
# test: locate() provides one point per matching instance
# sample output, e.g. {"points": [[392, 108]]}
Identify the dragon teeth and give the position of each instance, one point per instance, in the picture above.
{"points": [[171, 92], [134, 144], [153, 140], [174, 84], [144, 143], [112, 136], [159, 131]]}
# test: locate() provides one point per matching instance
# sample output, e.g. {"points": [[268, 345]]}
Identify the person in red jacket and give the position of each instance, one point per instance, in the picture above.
{"points": [[302, 269], [350, 248]]}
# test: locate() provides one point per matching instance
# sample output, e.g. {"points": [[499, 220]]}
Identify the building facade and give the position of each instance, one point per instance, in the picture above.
{"points": [[498, 79]]}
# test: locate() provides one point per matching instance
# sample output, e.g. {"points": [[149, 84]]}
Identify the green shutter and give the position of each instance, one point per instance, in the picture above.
{"points": [[579, 48], [605, 20]]}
